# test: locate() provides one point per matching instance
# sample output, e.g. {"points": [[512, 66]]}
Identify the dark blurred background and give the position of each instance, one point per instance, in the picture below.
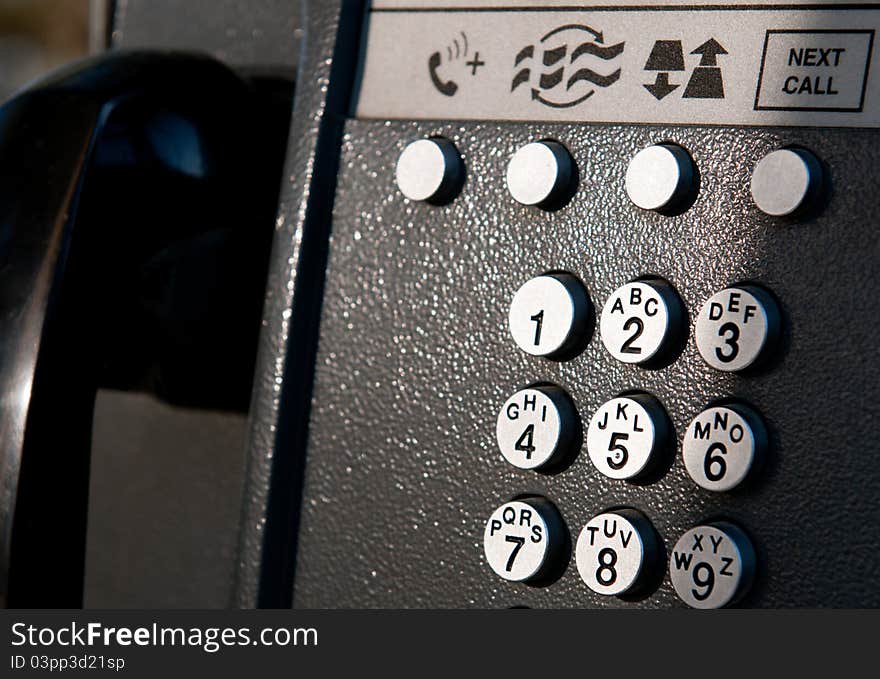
{"points": [[37, 36]]}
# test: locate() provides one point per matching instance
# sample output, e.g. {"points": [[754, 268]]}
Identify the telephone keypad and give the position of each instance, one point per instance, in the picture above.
{"points": [[538, 427], [628, 435], [619, 553], [525, 540], [549, 315], [722, 445], [712, 566], [737, 328], [641, 322]]}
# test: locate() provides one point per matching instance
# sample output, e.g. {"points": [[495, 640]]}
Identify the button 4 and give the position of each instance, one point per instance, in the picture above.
{"points": [[538, 428]]}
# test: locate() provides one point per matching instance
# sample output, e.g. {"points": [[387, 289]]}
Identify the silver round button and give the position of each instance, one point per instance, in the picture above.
{"points": [[524, 539], [642, 321], [659, 177], [429, 170], [540, 173], [537, 427], [627, 434], [722, 445], [737, 327], [618, 553], [549, 315], [712, 566], [785, 181]]}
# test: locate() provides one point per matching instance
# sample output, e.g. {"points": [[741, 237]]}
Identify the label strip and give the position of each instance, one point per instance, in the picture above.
{"points": [[803, 66]]}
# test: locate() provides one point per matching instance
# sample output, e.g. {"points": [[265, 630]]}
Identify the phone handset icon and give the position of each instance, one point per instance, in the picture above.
{"points": [[449, 87]]}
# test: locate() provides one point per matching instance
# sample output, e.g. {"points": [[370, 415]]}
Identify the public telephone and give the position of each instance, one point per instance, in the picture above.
{"points": [[571, 305]]}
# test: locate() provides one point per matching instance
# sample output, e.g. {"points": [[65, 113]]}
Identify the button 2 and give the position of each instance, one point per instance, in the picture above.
{"points": [[549, 315], [642, 322], [738, 327], [525, 540], [712, 566], [540, 173], [722, 445], [619, 553], [538, 427], [430, 170], [627, 434]]}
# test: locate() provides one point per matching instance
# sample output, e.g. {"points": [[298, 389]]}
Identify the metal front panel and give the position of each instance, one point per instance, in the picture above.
{"points": [[415, 361]]}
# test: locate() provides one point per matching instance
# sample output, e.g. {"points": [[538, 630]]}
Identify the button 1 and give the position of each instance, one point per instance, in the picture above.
{"points": [[712, 566], [659, 177], [642, 322], [786, 181], [540, 173], [549, 315], [618, 553], [628, 435], [525, 540], [538, 427], [738, 327], [430, 170], [722, 445]]}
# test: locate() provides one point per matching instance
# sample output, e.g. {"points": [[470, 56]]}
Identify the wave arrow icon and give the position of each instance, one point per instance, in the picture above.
{"points": [[661, 87]]}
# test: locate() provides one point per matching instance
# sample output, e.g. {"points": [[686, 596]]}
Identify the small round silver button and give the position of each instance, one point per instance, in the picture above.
{"points": [[537, 427], [737, 327], [540, 173], [618, 553], [722, 445], [627, 434], [642, 321], [712, 566], [524, 539], [429, 170], [785, 181], [659, 177], [549, 315]]}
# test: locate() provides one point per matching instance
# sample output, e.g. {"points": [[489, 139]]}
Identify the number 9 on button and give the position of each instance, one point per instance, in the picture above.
{"points": [[549, 316]]}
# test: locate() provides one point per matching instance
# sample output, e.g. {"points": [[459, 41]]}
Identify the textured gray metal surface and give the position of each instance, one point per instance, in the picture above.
{"points": [[415, 360]]}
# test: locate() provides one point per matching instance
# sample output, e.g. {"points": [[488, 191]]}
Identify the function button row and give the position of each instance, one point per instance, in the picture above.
{"points": [[619, 553], [662, 177], [630, 437], [644, 322]]}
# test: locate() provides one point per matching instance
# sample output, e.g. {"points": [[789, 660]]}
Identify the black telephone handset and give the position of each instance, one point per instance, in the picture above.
{"points": [[133, 254]]}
